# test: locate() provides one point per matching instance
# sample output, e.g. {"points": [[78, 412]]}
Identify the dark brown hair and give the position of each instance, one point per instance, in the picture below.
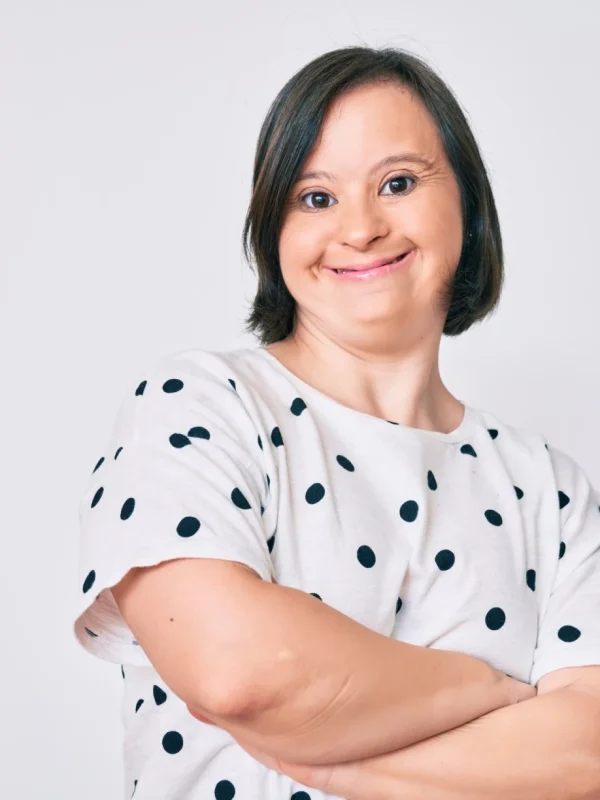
{"points": [[287, 135]]}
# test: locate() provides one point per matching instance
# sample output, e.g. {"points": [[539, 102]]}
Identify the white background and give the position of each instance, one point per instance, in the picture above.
{"points": [[127, 136]]}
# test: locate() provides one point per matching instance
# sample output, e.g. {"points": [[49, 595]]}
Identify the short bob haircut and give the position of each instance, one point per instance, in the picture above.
{"points": [[287, 135]]}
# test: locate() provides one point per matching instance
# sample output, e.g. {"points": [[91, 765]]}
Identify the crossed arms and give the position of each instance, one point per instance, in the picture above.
{"points": [[362, 716], [546, 748]]}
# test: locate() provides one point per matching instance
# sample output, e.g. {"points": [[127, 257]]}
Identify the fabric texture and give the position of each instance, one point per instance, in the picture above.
{"points": [[485, 540]]}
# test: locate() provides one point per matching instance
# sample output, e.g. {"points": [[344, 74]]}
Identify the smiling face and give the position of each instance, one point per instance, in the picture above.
{"points": [[364, 211]]}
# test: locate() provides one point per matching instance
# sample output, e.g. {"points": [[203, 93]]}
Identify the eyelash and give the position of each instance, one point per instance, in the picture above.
{"points": [[300, 200]]}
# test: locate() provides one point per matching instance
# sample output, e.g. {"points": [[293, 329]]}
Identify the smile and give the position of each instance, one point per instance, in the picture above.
{"points": [[373, 272]]}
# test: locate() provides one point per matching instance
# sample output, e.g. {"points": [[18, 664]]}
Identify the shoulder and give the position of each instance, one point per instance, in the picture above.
{"points": [[187, 393], [192, 376], [512, 442], [198, 368], [572, 482], [529, 451]]}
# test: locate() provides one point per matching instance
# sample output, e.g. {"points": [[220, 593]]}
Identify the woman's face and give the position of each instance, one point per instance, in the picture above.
{"points": [[362, 212]]}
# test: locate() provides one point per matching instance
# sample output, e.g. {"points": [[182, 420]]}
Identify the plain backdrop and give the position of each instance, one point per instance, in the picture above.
{"points": [[127, 137]]}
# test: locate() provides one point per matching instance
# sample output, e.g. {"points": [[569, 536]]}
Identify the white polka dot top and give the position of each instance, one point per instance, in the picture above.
{"points": [[485, 540]]}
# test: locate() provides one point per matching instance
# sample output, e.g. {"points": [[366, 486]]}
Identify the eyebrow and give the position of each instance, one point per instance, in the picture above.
{"points": [[388, 161]]}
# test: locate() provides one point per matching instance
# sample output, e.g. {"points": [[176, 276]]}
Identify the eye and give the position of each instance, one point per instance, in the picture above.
{"points": [[397, 179]]}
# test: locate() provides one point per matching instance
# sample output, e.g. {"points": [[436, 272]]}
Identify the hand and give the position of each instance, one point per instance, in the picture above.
{"points": [[322, 777], [519, 691]]}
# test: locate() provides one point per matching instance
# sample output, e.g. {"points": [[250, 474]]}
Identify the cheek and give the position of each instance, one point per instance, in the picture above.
{"points": [[435, 216], [301, 247]]}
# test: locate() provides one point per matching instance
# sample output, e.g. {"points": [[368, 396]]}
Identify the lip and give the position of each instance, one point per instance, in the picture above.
{"points": [[381, 267]]}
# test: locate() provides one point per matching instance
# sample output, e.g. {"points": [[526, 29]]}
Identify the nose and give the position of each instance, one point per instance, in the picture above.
{"points": [[361, 222]]}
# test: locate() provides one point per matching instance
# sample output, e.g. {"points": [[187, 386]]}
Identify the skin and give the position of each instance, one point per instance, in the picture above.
{"points": [[373, 345]]}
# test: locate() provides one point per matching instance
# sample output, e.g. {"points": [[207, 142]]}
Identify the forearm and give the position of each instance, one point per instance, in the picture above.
{"points": [[359, 695], [547, 748]]}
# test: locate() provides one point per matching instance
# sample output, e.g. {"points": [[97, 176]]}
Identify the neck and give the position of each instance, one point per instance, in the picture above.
{"points": [[401, 385]]}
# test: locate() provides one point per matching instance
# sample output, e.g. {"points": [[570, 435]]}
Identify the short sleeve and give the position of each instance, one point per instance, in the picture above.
{"points": [[181, 477], [569, 630]]}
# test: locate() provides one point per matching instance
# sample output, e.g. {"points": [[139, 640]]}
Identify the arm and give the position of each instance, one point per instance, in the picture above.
{"points": [[249, 655], [547, 748], [363, 694]]}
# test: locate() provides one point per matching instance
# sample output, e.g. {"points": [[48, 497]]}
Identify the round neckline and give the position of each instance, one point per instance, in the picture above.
{"points": [[458, 434]]}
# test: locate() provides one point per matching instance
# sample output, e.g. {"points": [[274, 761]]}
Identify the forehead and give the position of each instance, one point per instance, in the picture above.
{"points": [[370, 122]]}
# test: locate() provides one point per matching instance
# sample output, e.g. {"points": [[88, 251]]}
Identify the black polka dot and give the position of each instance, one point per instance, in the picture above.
{"points": [[139, 704], [98, 465], [140, 389], [117, 453], [128, 508], [562, 549], [239, 499], [398, 604], [392, 423], [268, 482], [493, 432], [493, 517], [563, 500], [271, 543], [232, 382], [276, 437], [199, 432], [315, 493], [160, 696], [172, 385], [445, 559], [135, 783], [260, 442], [546, 446], [179, 440], [531, 579], [468, 450], [188, 527], [91, 633], [262, 510], [298, 406], [318, 596], [343, 462], [97, 496], [224, 790], [518, 492], [301, 795], [89, 581], [172, 742], [495, 619], [365, 556], [122, 672], [569, 634], [431, 481], [409, 510]]}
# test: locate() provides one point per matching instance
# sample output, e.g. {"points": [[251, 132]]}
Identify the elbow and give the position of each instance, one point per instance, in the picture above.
{"points": [[239, 702]]}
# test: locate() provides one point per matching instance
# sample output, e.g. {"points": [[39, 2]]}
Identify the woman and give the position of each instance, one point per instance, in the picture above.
{"points": [[323, 574]]}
